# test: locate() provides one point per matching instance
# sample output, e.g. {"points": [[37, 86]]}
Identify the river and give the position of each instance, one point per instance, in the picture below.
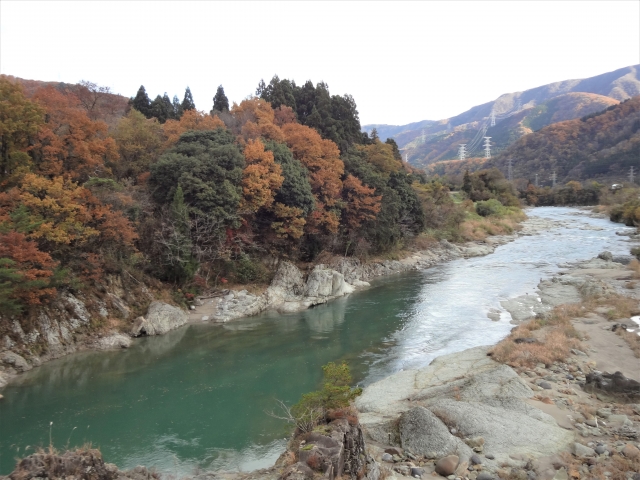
{"points": [[196, 397]]}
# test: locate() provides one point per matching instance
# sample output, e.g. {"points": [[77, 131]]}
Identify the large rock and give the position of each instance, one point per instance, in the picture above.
{"points": [[160, 319], [113, 341], [615, 386], [478, 396], [422, 432], [325, 282], [18, 363], [447, 466]]}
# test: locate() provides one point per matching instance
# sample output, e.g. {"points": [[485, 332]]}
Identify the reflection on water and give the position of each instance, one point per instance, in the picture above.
{"points": [[196, 397]]}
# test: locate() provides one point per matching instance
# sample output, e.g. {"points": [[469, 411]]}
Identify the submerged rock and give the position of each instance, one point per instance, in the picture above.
{"points": [[160, 319]]}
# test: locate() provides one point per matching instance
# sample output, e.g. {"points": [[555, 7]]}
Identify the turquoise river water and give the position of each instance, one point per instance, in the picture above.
{"points": [[196, 397]]}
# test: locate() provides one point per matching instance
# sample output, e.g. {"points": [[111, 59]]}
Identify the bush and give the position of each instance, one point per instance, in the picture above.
{"points": [[249, 271], [489, 207]]}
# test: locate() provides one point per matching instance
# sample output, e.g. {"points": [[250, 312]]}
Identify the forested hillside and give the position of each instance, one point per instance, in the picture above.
{"points": [[516, 114], [159, 191]]}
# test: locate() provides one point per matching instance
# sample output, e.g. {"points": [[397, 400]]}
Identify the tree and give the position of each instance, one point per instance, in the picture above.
{"points": [[394, 147], [187, 101], [70, 143], [208, 165], [189, 120], [162, 108], [20, 120], [254, 118], [361, 203], [374, 134], [295, 191], [220, 101], [93, 97], [261, 178], [139, 142], [177, 108], [141, 102]]}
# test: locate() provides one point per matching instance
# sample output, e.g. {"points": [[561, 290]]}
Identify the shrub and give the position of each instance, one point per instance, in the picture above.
{"points": [[249, 271], [489, 207]]}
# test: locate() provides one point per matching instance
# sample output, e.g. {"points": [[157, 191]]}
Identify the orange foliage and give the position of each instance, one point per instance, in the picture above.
{"points": [[32, 264], [361, 203], [283, 115], [261, 178], [70, 143], [190, 120], [256, 118], [63, 213], [290, 224]]}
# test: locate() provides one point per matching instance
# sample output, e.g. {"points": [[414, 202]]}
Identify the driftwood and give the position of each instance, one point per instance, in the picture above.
{"points": [[221, 293]]}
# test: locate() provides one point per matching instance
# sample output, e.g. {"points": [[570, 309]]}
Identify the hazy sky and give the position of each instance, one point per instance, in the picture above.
{"points": [[402, 62]]}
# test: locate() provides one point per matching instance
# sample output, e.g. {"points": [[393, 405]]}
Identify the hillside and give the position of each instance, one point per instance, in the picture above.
{"points": [[598, 146], [516, 113]]}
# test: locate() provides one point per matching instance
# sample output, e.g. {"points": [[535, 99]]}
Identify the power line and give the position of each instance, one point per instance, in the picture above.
{"points": [[554, 176], [493, 117], [631, 174], [537, 181]]}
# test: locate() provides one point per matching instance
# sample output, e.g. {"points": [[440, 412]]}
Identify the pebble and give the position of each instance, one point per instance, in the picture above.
{"points": [[417, 472], [447, 465], [591, 422], [545, 385], [484, 476], [600, 449], [386, 457], [475, 460], [490, 456]]}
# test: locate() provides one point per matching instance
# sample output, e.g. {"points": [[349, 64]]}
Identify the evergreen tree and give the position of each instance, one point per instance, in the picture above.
{"points": [[466, 183], [141, 102], [374, 134], [220, 101], [168, 107], [161, 108], [177, 108], [261, 88], [296, 189], [187, 102], [394, 145]]}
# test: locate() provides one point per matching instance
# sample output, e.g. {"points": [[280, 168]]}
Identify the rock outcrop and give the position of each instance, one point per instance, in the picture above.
{"points": [[160, 319], [468, 393]]}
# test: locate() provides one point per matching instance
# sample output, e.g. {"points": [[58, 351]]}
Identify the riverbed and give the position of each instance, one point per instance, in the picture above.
{"points": [[196, 397]]}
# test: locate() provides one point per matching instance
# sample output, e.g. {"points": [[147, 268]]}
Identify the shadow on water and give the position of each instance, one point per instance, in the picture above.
{"points": [[196, 397]]}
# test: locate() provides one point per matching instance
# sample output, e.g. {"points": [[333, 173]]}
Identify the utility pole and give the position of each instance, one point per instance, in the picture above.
{"points": [[553, 178], [462, 151], [487, 147], [509, 170], [631, 175], [493, 118]]}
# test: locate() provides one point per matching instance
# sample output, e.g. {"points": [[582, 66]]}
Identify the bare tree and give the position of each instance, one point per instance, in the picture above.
{"points": [[305, 420]]}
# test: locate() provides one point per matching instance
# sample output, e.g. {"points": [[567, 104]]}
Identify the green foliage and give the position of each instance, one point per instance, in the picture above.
{"points": [[489, 207], [335, 393], [141, 102], [627, 213], [296, 189], [180, 266], [487, 184], [208, 166], [220, 101], [635, 251], [187, 101], [162, 108], [177, 108], [9, 278], [335, 117], [250, 271]]}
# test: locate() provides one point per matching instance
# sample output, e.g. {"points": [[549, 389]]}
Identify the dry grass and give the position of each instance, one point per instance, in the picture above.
{"points": [[480, 228], [553, 345], [634, 265]]}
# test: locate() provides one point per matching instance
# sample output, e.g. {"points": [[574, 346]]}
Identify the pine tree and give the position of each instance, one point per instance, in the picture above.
{"points": [[141, 102], [220, 101], [177, 108], [168, 107], [187, 102], [466, 183], [374, 134]]}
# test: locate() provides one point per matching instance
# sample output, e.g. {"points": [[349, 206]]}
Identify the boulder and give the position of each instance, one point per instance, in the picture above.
{"points": [[422, 432], [606, 256], [615, 385], [288, 278], [631, 451], [580, 450], [160, 319], [447, 466], [16, 361], [113, 341], [297, 471], [323, 453]]}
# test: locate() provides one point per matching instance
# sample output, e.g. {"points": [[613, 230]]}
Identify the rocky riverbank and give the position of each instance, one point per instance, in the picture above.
{"points": [[74, 323], [467, 416]]}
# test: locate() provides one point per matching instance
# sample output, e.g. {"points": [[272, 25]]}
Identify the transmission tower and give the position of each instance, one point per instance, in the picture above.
{"points": [[423, 136], [631, 174], [509, 169], [537, 181], [406, 157], [487, 147], [493, 118], [554, 176], [462, 151]]}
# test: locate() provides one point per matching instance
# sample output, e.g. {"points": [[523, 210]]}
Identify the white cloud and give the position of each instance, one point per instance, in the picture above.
{"points": [[402, 62]]}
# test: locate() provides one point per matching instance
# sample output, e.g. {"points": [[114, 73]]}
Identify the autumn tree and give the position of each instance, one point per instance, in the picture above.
{"points": [[187, 101], [254, 118], [70, 143], [191, 120], [261, 178], [220, 101], [20, 120], [322, 160], [25, 273], [139, 141], [295, 191], [361, 203], [381, 155]]}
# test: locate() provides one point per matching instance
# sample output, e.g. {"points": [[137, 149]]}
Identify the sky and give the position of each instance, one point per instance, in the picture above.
{"points": [[402, 62]]}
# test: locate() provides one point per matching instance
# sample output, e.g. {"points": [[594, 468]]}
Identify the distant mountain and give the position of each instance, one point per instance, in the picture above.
{"points": [[516, 114], [601, 146]]}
